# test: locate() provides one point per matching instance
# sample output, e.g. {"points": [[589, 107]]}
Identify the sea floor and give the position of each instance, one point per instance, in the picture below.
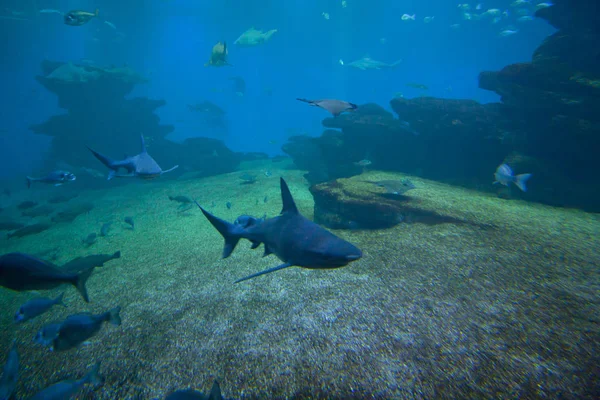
{"points": [[508, 307]]}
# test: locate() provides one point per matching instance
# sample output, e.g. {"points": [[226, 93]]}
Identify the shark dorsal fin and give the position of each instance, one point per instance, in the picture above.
{"points": [[289, 206], [143, 144]]}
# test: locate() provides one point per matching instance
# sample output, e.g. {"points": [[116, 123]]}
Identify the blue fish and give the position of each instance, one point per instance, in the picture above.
{"points": [[69, 388], [36, 307], [291, 237], [504, 176], [10, 374], [55, 178]]}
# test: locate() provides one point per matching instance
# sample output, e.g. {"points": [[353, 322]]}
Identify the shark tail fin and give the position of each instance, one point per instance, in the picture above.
{"points": [[29, 180], [215, 392], [266, 271], [80, 280], [108, 162], [230, 232], [289, 206]]}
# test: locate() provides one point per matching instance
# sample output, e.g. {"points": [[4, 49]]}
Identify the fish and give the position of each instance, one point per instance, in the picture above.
{"points": [[181, 199], [62, 198], [10, 374], [189, 394], [9, 225], [50, 11], [36, 307], [419, 86], [294, 239], [396, 187], [29, 230], [76, 329], [90, 239], [254, 37], [228, 205], [105, 228], [335, 107], [20, 272], [504, 176], [406, 17], [248, 179], [83, 263], [24, 205], [55, 178], [68, 388], [78, 17], [508, 32], [525, 18], [140, 166], [520, 3], [110, 24], [129, 220], [367, 62], [428, 19], [363, 163], [539, 6], [218, 56], [71, 213], [39, 211]]}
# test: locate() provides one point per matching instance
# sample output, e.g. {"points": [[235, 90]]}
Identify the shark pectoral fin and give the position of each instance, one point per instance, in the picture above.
{"points": [[170, 169], [267, 251], [266, 271]]}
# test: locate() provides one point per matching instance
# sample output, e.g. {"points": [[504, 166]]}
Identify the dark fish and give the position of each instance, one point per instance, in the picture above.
{"points": [[105, 228], [247, 178], [129, 220], [27, 204], [76, 329], [29, 230], [90, 239], [396, 187], [335, 107], [228, 205], [83, 263], [55, 178], [78, 17], [291, 237], [189, 394], [36, 307], [40, 211], [68, 388], [61, 198], [10, 374], [19, 271], [140, 166], [8, 225], [72, 213], [265, 199], [181, 199]]}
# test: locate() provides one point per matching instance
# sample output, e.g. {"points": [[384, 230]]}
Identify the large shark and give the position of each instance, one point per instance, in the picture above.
{"points": [[290, 236], [141, 166], [368, 63]]}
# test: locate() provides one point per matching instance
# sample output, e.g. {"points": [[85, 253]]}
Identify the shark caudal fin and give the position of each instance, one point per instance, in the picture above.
{"points": [[289, 206], [79, 282], [108, 162], [230, 232]]}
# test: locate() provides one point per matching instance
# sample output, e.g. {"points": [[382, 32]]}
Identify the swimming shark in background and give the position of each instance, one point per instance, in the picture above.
{"points": [[140, 166], [367, 62], [294, 239], [55, 178]]}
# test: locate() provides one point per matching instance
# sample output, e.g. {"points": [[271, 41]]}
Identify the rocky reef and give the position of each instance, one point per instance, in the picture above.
{"points": [[546, 124], [99, 116]]}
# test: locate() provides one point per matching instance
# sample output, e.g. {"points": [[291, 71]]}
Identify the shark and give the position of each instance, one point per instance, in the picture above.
{"points": [[254, 37], [140, 166], [294, 239], [368, 63]]}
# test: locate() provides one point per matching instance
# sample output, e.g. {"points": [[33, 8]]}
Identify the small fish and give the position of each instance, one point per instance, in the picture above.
{"points": [[111, 25], [79, 264], [428, 19], [406, 17], [519, 3], [508, 32], [89, 239], [50, 11], [396, 187], [504, 176], [363, 163], [36, 307], [10, 374], [68, 388], [335, 107], [325, 15], [539, 6], [181, 199], [268, 173], [248, 179], [105, 229], [26, 205], [78, 17], [29, 230], [525, 18], [218, 56], [189, 394], [55, 178], [265, 199], [228, 205], [129, 220], [464, 6], [76, 329]]}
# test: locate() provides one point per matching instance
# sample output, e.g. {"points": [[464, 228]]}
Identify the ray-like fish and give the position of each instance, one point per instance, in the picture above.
{"points": [[335, 107]]}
